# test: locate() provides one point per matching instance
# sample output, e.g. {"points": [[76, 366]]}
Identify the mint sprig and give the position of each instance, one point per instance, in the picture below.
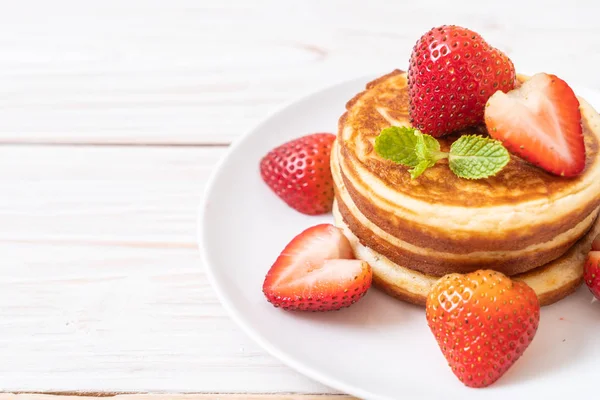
{"points": [[470, 157], [397, 143], [476, 157]]}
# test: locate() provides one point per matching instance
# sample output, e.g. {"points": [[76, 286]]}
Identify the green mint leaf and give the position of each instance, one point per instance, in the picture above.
{"points": [[428, 151], [397, 143], [410, 147], [427, 147], [420, 168], [470, 157], [476, 157]]}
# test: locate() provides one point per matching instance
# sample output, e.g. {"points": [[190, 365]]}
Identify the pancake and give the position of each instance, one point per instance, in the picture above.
{"points": [[431, 260], [513, 222], [551, 282]]}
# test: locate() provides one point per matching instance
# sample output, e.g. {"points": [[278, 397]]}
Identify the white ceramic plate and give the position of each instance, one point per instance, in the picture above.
{"points": [[380, 348]]}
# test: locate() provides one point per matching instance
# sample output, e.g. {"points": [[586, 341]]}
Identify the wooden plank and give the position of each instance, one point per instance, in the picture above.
{"points": [[101, 285], [123, 196], [40, 396], [206, 71], [122, 319]]}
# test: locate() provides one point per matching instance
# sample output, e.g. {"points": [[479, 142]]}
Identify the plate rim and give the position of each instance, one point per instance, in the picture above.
{"points": [[230, 308], [201, 230]]}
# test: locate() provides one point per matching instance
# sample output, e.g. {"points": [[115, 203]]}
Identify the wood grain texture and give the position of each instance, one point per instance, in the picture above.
{"points": [[102, 289], [144, 396], [188, 71], [121, 196], [101, 285]]}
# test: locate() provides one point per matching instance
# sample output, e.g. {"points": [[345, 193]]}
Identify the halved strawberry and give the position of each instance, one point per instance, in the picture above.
{"points": [[596, 243], [540, 122], [316, 272], [591, 273]]}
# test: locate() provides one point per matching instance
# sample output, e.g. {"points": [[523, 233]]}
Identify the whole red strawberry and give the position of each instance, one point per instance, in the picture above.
{"points": [[452, 73], [317, 272], [483, 322], [591, 272], [298, 172]]}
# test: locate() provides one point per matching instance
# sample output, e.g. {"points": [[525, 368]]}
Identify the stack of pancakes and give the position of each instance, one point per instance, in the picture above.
{"points": [[523, 222]]}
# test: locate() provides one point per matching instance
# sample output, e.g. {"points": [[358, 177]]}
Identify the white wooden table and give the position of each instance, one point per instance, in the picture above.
{"points": [[112, 116]]}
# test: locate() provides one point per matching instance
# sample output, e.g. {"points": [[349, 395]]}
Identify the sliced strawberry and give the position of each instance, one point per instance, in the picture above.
{"points": [[591, 273], [540, 122], [596, 243], [316, 272]]}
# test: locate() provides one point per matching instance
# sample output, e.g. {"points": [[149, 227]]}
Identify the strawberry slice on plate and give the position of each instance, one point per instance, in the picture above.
{"points": [[596, 243], [591, 273], [540, 122], [317, 272]]}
